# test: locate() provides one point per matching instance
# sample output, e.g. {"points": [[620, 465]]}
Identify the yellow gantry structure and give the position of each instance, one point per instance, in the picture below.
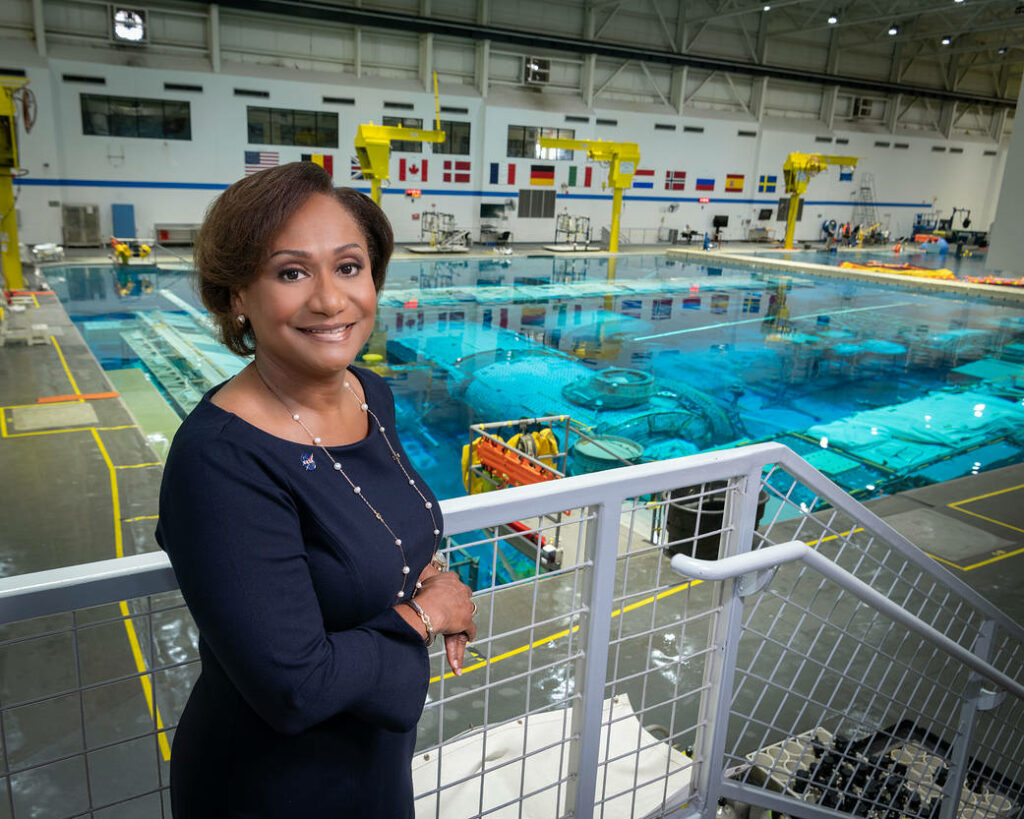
{"points": [[10, 259], [373, 145], [623, 158], [798, 170]]}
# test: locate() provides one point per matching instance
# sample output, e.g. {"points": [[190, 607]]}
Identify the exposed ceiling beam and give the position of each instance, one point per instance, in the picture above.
{"points": [[360, 16]]}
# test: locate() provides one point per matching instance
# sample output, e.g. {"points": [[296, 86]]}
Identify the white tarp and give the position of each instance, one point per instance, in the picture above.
{"points": [[530, 756]]}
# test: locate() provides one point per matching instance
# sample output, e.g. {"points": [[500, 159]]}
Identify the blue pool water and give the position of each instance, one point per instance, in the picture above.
{"points": [[878, 386]]}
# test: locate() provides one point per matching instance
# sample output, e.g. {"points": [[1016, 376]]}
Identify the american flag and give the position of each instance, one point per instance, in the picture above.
{"points": [[355, 169], [256, 161]]}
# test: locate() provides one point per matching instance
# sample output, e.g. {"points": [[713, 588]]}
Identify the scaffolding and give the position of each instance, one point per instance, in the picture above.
{"points": [[865, 209], [440, 231]]}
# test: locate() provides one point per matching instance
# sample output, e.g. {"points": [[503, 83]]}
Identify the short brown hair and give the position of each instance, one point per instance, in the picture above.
{"points": [[241, 223]]}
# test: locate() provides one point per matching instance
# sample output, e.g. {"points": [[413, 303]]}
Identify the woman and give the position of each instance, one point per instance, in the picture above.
{"points": [[300, 535]]}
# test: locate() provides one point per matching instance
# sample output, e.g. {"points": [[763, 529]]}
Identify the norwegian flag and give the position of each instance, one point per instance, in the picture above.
{"points": [[355, 169], [675, 180], [412, 170], [456, 171]]}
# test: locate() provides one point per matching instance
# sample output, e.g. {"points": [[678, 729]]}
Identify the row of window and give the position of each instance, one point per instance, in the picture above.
{"points": [[171, 119]]}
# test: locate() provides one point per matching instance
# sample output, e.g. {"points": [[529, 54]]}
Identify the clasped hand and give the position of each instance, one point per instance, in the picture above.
{"points": [[449, 603]]}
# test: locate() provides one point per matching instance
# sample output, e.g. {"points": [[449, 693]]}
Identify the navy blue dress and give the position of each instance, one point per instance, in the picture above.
{"points": [[311, 684]]}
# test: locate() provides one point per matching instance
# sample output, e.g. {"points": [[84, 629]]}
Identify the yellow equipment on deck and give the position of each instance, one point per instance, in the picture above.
{"points": [[373, 145], [623, 158], [10, 258], [798, 170]]}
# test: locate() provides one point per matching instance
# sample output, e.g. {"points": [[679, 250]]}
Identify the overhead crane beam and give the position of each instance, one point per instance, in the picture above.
{"points": [[798, 170], [373, 146], [623, 158]]}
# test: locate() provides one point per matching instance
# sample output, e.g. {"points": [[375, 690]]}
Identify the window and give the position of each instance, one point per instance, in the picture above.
{"points": [[135, 117], [283, 126], [456, 138], [536, 204], [401, 144], [524, 141]]}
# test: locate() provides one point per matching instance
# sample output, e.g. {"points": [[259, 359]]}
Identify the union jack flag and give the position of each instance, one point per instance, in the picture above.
{"points": [[355, 169]]}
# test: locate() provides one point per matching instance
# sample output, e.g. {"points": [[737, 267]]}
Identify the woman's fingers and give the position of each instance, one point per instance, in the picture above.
{"points": [[455, 648]]}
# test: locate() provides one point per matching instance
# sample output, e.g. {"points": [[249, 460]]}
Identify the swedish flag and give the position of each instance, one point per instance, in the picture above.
{"points": [[766, 184]]}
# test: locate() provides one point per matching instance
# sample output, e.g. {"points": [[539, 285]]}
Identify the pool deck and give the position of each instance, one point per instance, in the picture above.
{"points": [[990, 292]]}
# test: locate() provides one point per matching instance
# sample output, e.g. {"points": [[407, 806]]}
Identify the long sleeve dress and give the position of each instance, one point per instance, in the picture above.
{"points": [[311, 683]]}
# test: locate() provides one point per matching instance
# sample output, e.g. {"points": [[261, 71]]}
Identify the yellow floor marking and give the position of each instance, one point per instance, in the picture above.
{"points": [[46, 432], [111, 429], [36, 404], [64, 364], [646, 601], [3, 424], [955, 504], [129, 625], [137, 466], [990, 520], [140, 517], [995, 559]]}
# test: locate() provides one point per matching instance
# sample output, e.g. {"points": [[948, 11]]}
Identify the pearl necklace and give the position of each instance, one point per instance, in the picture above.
{"points": [[356, 489]]}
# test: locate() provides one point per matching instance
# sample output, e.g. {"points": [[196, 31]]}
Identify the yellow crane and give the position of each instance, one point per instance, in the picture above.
{"points": [[623, 158], [373, 145], [10, 259], [798, 170]]}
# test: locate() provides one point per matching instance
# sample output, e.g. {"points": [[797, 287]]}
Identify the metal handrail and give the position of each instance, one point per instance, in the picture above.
{"points": [[771, 557]]}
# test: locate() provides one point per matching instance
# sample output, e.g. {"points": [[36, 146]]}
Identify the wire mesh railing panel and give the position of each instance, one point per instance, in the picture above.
{"points": [[88, 702], [495, 740], [837, 706]]}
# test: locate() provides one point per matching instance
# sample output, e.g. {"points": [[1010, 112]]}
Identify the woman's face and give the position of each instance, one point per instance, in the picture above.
{"points": [[313, 304]]}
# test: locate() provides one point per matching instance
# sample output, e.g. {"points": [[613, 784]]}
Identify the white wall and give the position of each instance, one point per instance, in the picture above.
{"points": [[57, 153], [1007, 252]]}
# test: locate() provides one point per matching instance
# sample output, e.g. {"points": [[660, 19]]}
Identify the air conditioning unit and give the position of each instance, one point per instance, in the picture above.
{"points": [[862, 106], [536, 70]]}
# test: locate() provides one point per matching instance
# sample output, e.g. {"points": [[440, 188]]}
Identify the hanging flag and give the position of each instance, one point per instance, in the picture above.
{"points": [[734, 183], [675, 180], [325, 161], [510, 173], [766, 184], [355, 170], [845, 174], [581, 180], [707, 184], [412, 170], [643, 178], [456, 170], [256, 161], [542, 175]]}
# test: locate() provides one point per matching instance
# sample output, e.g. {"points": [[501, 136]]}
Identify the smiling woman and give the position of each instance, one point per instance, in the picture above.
{"points": [[316, 591]]}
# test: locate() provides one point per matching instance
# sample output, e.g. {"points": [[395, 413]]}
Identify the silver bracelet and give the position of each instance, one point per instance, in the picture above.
{"points": [[431, 634]]}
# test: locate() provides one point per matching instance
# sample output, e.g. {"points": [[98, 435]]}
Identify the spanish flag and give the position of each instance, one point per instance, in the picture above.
{"points": [[542, 175], [325, 161], [734, 183]]}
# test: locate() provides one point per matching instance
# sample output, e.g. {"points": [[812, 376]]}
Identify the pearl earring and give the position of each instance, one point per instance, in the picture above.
{"points": [[241, 319]]}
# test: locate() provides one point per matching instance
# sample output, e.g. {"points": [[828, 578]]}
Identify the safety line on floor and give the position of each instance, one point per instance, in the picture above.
{"points": [[64, 364], [129, 625], [137, 466]]}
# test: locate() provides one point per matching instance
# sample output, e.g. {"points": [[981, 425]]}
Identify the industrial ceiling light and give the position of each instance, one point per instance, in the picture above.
{"points": [[767, 7], [894, 30], [947, 40], [1002, 50], [128, 25], [833, 19]]}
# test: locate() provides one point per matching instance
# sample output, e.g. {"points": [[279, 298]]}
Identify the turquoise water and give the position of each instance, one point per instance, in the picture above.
{"points": [[877, 386]]}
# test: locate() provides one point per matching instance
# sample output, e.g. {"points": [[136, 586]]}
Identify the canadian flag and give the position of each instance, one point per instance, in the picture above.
{"points": [[412, 170]]}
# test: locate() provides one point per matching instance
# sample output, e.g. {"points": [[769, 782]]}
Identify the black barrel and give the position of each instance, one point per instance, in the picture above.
{"points": [[694, 522]]}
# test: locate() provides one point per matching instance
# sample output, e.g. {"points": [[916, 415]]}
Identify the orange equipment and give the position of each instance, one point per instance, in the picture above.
{"points": [[510, 466]]}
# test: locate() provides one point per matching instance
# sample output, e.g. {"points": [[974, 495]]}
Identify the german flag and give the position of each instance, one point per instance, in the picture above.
{"points": [[542, 175], [325, 161]]}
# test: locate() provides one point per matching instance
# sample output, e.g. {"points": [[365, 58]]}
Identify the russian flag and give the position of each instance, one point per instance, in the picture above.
{"points": [[707, 184], [646, 178]]}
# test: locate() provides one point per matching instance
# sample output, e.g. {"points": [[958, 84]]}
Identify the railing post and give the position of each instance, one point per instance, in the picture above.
{"points": [[601, 550], [739, 522], [968, 720]]}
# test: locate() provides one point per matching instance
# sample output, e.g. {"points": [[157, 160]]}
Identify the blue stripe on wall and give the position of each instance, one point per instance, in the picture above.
{"points": [[396, 191]]}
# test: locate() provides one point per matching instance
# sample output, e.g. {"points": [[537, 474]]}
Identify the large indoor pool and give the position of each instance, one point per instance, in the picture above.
{"points": [[881, 388]]}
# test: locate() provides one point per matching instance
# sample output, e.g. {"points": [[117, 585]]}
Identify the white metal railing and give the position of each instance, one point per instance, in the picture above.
{"points": [[605, 688]]}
